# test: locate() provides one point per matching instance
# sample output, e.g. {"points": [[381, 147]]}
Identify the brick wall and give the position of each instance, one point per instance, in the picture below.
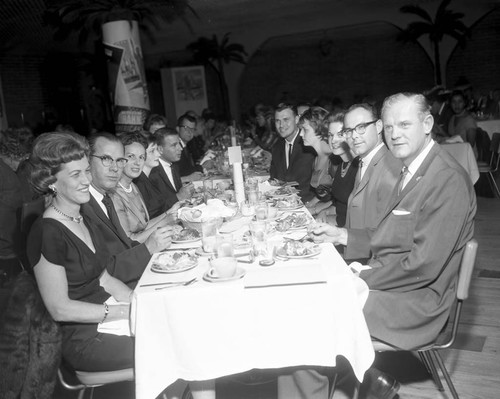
{"points": [[371, 66], [479, 61]]}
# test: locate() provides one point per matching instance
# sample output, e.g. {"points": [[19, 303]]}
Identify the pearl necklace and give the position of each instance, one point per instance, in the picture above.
{"points": [[127, 190], [76, 219]]}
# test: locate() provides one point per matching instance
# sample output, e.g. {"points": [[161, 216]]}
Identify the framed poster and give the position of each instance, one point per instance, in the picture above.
{"points": [[184, 89]]}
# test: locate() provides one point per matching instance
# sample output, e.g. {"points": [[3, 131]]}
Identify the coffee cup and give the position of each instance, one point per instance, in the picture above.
{"points": [[223, 267]]}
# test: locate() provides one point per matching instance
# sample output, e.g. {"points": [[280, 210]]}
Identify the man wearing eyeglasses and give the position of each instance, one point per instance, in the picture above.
{"points": [[416, 249], [291, 160], [378, 169], [186, 127], [128, 258]]}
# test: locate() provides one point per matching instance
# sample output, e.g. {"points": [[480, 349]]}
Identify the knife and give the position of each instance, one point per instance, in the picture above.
{"points": [[284, 284]]}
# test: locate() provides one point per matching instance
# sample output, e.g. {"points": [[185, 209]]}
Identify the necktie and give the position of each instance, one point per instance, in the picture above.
{"points": [[402, 178], [289, 155], [358, 175], [113, 217]]}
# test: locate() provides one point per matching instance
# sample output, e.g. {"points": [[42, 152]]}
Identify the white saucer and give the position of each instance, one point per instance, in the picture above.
{"points": [[199, 251], [240, 272]]}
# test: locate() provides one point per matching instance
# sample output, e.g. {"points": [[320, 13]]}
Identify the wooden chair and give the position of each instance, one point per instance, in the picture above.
{"points": [[430, 354], [86, 380], [492, 167]]}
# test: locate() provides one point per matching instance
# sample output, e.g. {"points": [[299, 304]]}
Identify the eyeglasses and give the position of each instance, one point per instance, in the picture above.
{"points": [[107, 161], [188, 128], [359, 129]]}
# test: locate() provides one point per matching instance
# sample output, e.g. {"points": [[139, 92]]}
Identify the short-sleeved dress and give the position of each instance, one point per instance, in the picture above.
{"points": [[83, 347], [342, 187]]}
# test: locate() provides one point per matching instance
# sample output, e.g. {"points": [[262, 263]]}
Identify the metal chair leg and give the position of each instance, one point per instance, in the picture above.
{"points": [[434, 372], [445, 373], [494, 184], [331, 386], [423, 359]]}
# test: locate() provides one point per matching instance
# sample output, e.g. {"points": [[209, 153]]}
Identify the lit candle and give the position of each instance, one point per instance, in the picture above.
{"points": [[22, 117]]}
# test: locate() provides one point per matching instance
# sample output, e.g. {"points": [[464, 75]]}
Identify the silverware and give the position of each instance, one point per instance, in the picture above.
{"points": [[284, 284], [178, 284]]}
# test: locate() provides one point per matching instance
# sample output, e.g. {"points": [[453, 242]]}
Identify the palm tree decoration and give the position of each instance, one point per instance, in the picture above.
{"points": [[117, 23], [208, 51], [446, 23]]}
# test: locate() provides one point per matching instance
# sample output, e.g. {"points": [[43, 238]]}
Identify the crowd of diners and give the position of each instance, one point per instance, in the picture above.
{"points": [[377, 181]]}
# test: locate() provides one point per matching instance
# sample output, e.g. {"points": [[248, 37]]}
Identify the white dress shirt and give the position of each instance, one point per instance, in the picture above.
{"points": [[413, 167], [167, 167], [367, 159], [98, 197]]}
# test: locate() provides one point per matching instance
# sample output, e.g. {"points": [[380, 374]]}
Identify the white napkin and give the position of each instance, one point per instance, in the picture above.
{"points": [[115, 327], [213, 209]]}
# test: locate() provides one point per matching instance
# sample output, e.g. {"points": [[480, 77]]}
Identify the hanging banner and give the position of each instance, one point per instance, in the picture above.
{"points": [[127, 80]]}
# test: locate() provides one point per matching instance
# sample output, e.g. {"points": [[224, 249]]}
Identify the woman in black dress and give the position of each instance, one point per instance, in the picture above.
{"points": [[345, 175], [69, 259]]}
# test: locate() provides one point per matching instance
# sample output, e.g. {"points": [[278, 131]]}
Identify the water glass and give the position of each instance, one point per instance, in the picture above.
{"points": [[224, 245], [258, 231], [253, 196], [261, 210], [209, 234]]}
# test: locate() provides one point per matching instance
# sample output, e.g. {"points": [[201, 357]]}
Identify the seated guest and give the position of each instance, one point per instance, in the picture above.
{"points": [[166, 176], [154, 122], [377, 172], [462, 126], [70, 263], [128, 201], [186, 126], [345, 174], [291, 160], [70, 260], [155, 203], [262, 130], [197, 146], [128, 258], [441, 111], [415, 251], [315, 135], [15, 146]]}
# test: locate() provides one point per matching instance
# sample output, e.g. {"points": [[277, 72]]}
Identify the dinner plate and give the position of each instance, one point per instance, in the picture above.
{"points": [[240, 272], [186, 241], [290, 208], [164, 263], [281, 252]]}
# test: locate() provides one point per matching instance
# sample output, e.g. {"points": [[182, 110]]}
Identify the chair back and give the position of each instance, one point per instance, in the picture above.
{"points": [[30, 211], [495, 151], [466, 268]]}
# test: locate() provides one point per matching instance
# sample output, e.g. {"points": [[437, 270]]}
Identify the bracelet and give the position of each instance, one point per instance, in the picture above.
{"points": [[106, 311]]}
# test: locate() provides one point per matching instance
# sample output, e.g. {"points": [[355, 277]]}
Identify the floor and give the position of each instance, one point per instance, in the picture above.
{"points": [[473, 362]]}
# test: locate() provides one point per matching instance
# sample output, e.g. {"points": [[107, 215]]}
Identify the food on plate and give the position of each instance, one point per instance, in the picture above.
{"points": [[186, 234], [295, 220], [299, 248], [281, 192], [284, 203], [174, 261]]}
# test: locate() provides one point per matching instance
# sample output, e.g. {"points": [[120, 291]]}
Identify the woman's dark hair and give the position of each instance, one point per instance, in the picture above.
{"points": [[134, 137], [155, 119], [50, 152], [315, 116]]}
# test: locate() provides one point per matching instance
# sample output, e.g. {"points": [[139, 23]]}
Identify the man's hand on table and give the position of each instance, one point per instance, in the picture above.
{"points": [[159, 240], [324, 232], [185, 192]]}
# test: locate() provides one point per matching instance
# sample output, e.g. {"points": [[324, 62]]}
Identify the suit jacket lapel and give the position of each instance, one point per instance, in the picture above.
{"points": [[395, 198], [164, 176], [102, 216], [369, 172]]}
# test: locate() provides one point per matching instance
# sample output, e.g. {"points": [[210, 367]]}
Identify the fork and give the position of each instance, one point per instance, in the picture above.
{"points": [[180, 284]]}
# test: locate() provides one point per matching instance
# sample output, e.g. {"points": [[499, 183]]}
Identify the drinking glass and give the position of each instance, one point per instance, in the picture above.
{"points": [[258, 231], [209, 234], [261, 210], [224, 245]]}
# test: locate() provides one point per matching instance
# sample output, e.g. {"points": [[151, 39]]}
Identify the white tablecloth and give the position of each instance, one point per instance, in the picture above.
{"points": [[464, 155], [490, 126], [208, 330]]}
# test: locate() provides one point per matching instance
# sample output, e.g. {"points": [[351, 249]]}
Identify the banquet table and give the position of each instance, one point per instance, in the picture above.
{"points": [[464, 155], [298, 312], [490, 126]]}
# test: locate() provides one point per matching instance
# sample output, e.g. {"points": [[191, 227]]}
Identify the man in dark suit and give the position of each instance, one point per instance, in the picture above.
{"points": [[378, 169], [441, 111], [128, 258], [291, 160], [166, 176], [415, 251], [186, 127]]}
